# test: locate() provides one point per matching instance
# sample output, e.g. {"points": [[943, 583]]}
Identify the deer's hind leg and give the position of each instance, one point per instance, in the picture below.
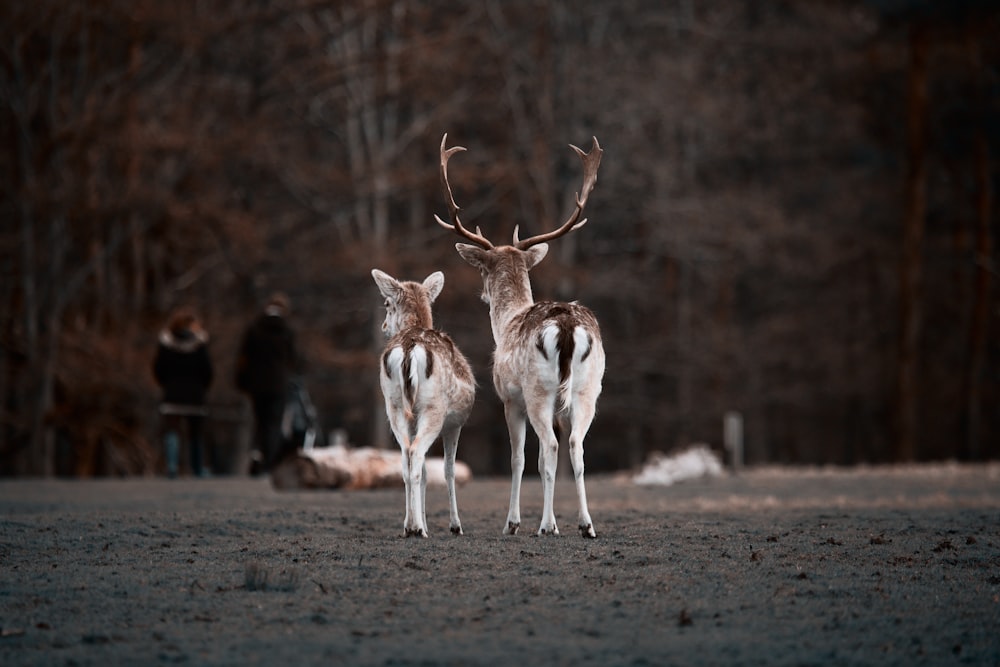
{"points": [[583, 415], [541, 418], [428, 427], [400, 427], [515, 426]]}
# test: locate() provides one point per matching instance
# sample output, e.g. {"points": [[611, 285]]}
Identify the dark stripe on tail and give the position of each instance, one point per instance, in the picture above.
{"points": [[565, 343], [430, 362], [564, 339], [407, 385]]}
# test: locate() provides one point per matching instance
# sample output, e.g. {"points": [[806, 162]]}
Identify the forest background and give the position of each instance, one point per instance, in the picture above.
{"points": [[795, 217]]}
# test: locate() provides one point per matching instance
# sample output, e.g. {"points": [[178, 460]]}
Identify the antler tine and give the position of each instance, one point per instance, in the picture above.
{"points": [[453, 209], [591, 163]]}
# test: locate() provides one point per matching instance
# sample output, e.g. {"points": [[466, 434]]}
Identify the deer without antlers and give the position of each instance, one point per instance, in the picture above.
{"points": [[549, 360], [428, 387]]}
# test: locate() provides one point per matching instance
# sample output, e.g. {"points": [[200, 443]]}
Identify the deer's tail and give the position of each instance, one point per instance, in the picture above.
{"points": [[562, 340], [415, 368], [407, 368]]}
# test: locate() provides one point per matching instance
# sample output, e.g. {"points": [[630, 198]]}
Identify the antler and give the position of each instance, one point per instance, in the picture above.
{"points": [[453, 209], [591, 162]]}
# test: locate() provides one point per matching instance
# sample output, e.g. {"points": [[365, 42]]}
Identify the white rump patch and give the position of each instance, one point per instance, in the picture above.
{"points": [[395, 362], [581, 342], [550, 335]]}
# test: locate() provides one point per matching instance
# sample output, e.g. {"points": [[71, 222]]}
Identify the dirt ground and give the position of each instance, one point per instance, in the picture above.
{"points": [[887, 566]]}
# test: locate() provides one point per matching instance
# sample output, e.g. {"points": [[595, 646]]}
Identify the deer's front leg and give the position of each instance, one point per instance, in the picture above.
{"points": [[450, 440], [423, 494], [515, 427]]}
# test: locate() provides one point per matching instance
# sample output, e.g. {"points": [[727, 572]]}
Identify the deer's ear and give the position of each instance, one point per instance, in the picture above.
{"points": [[434, 283], [535, 254], [387, 285], [474, 255]]}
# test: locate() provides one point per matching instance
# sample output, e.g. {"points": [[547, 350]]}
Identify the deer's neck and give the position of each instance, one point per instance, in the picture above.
{"points": [[418, 320], [510, 294], [416, 314]]}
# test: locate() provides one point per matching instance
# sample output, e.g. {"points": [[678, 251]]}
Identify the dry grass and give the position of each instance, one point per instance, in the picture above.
{"points": [[260, 577]]}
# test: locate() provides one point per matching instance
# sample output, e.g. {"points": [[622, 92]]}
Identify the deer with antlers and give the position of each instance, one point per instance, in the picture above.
{"points": [[428, 388], [549, 361]]}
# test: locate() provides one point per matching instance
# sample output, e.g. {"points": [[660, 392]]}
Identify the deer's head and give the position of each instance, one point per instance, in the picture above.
{"points": [[407, 303]]}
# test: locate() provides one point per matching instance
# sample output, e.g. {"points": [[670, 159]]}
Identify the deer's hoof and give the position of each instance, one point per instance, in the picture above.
{"points": [[416, 532], [511, 528], [457, 530], [588, 531], [548, 531]]}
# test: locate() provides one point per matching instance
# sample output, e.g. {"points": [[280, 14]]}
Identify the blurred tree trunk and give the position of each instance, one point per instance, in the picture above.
{"points": [[137, 291], [33, 396], [979, 327], [685, 341], [911, 263], [372, 130]]}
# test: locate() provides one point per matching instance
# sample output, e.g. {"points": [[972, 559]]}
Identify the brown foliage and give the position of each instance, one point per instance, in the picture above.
{"points": [[743, 242]]}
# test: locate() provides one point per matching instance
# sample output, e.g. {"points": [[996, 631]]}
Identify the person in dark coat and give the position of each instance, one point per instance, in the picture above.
{"points": [[265, 367], [183, 369]]}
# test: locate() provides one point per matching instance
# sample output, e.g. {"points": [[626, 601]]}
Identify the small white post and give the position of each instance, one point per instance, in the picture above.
{"points": [[732, 438]]}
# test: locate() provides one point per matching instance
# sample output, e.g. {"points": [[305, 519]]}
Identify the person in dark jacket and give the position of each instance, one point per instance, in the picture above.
{"points": [[266, 364], [183, 369]]}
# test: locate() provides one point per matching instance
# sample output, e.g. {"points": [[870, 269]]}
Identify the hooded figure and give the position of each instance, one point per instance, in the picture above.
{"points": [[183, 369], [265, 367]]}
